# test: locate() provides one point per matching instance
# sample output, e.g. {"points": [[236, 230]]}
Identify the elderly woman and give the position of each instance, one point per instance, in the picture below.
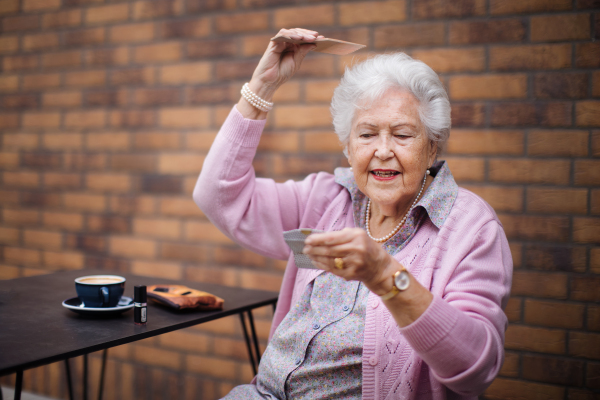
{"points": [[413, 271]]}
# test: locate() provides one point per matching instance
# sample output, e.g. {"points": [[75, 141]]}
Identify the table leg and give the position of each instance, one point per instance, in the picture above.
{"points": [[248, 343], [85, 376], [102, 368], [69, 383], [18, 385], [254, 337]]}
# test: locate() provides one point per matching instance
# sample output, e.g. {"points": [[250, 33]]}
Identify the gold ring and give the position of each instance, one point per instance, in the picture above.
{"points": [[339, 263]]}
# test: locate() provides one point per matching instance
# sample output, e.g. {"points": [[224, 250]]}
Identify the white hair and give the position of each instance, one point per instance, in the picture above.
{"points": [[369, 80]]}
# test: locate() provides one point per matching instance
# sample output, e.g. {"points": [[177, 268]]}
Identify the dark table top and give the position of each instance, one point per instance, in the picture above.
{"points": [[35, 329]]}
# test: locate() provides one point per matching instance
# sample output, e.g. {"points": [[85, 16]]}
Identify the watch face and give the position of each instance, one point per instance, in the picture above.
{"points": [[402, 280]]}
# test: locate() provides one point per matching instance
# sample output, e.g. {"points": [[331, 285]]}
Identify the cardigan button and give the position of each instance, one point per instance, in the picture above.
{"points": [[373, 360], [375, 303]]}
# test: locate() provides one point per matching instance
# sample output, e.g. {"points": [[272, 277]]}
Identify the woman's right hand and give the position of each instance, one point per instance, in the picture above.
{"points": [[279, 63]]}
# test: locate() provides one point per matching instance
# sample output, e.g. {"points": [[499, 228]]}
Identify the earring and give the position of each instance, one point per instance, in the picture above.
{"points": [[428, 171]]}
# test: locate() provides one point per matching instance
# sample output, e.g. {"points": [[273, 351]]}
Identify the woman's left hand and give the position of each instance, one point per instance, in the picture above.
{"points": [[363, 259]]}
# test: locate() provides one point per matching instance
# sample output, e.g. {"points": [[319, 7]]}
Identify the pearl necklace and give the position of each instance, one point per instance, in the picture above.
{"points": [[397, 228]]}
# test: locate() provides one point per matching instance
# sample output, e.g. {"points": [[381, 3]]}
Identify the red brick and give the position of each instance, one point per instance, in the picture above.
{"points": [[107, 14], [20, 63], [486, 142], [20, 217], [21, 23], [180, 163], [62, 220], [84, 37], [40, 41], [132, 205], [88, 78], [9, 235], [489, 31], [530, 57], [162, 52], [107, 98], [593, 317], [301, 116], [66, 18], [196, 6], [557, 201], [9, 7], [118, 56], [531, 6], [86, 243], [305, 16], [183, 252], [176, 206], [230, 70], [197, 72], [61, 99], [108, 141], [133, 76], [40, 5], [279, 142], [84, 202], [20, 101], [554, 314], [157, 140], [157, 96], [132, 33], [211, 366], [41, 81], [132, 247], [261, 280], [556, 258], [20, 256], [21, 179], [452, 60], [572, 27], [161, 184], [62, 180], [183, 29], [40, 160], [63, 59], [587, 113], [183, 340], [596, 143], [529, 227], [584, 288], [11, 120], [426, 9], [9, 83], [501, 198], [559, 85], [371, 12], [108, 182], [530, 171], [132, 118], [596, 84], [553, 114], [9, 44], [163, 270], [467, 169], [220, 276], [184, 117], [63, 260], [488, 87], [586, 345], [553, 370], [595, 202], [243, 257], [157, 227], [586, 230], [551, 341], [513, 310], [84, 161], [243, 22], [587, 55], [321, 142], [133, 162], [571, 143], [41, 119], [409, 35], [155, 9], [9, 160], [85, 119], [587, 172], [204, 232], [42, 239], [210, 48]]}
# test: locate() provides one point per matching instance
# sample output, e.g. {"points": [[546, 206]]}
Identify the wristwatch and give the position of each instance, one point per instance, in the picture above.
{"points": [[400, 282]]}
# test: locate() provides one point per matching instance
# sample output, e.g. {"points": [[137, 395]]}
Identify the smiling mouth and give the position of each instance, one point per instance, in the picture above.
{"points": [[385, 174]]}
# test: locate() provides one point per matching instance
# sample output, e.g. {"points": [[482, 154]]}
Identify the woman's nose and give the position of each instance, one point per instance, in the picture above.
{"points": [[384, 149]]}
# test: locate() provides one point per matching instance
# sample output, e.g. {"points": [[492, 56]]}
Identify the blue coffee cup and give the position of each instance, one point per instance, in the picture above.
{"points": [[99, 291]]}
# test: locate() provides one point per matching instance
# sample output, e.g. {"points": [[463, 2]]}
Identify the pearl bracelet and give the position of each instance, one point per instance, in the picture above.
{"points": [[256, 101]]}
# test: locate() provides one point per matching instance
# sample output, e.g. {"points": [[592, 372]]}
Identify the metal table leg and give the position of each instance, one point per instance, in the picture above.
{"points": [[254, 337], [19, 385], [85, 376], [102, 368], [69, 383], [250, 354]]}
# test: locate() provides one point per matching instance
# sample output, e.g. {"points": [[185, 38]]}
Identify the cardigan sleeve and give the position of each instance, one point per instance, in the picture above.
{"points": [[251, 211], [461, 334]]}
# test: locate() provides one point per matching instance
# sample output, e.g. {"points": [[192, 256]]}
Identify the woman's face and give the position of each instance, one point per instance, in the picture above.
{"points": [[389, 151]]}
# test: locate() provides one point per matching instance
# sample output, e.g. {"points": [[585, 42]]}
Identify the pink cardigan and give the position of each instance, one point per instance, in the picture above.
{"points": [[455, 349]]}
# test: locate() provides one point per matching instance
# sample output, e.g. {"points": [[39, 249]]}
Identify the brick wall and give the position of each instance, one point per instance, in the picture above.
{"points": [[108, 107]]}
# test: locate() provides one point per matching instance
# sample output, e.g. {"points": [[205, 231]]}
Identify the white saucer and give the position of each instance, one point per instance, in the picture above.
{"points": [[76, 305]]}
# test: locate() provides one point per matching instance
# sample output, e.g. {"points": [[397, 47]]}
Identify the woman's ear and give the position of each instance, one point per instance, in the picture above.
{"points": [[432, 152]]}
